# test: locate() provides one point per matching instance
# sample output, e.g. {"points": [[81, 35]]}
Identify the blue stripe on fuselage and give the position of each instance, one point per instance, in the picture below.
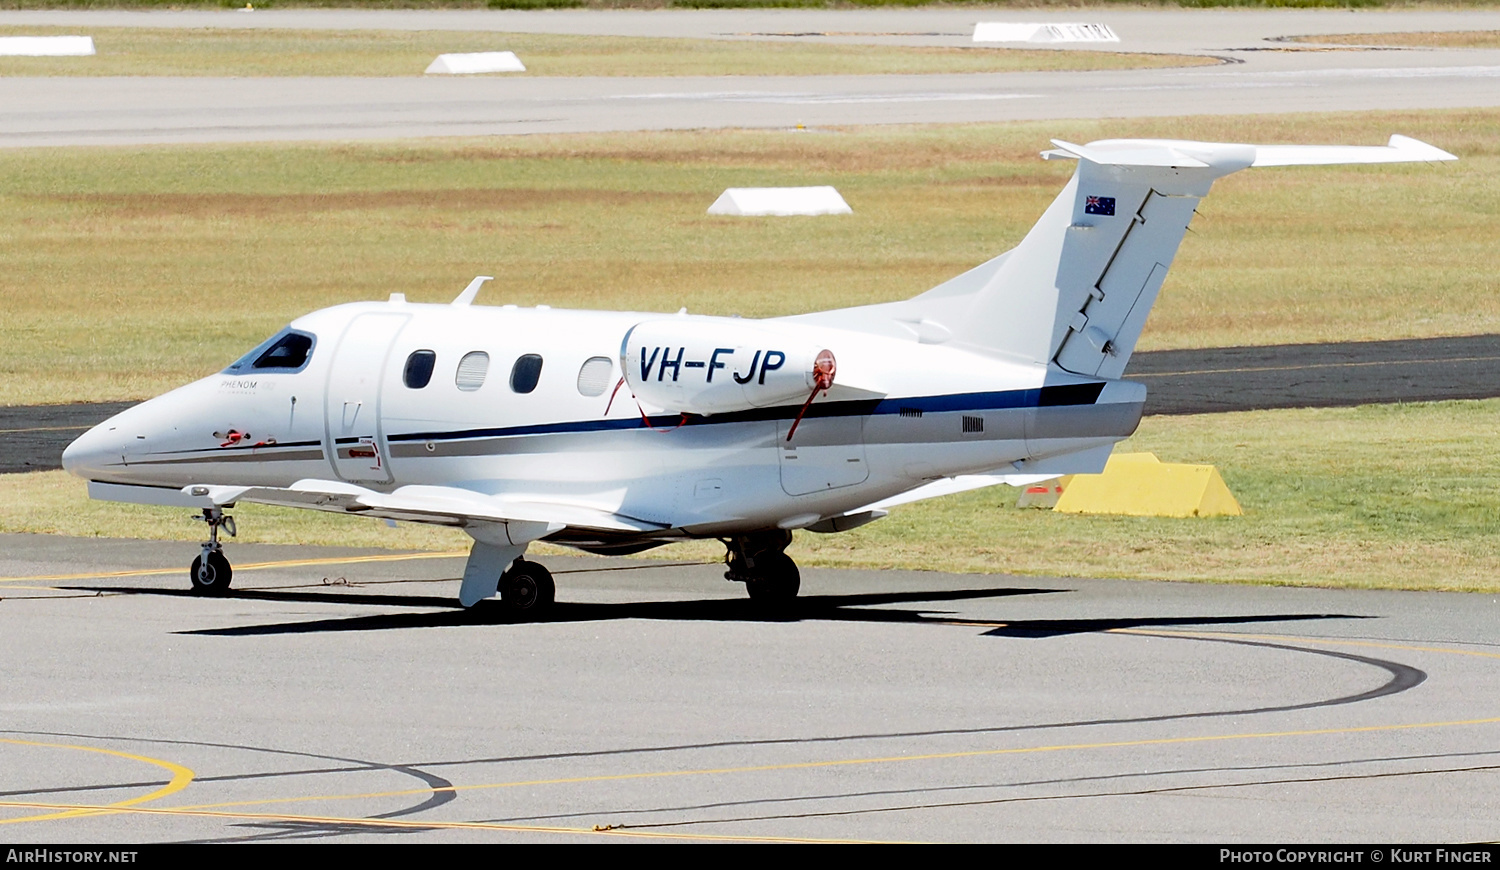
{"points": [[1044, 397]]}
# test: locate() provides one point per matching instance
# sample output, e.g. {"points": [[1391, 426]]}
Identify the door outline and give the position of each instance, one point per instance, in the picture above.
{"points": [[353, 431]]}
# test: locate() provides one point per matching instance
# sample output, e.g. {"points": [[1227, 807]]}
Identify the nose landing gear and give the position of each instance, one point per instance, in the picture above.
{"points": [[211, 573], [760, 562]]}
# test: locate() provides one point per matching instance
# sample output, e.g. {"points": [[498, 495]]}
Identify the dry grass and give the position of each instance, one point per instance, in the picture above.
{"points": [[1445, 39], [131, 51], [126, 272], [1335, 497], [1332, 497]]}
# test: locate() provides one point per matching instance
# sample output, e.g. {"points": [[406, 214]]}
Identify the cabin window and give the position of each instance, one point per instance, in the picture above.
{"points": [[526, 372], [286, 351], [593, 378], [419, 369], [471, 370]]}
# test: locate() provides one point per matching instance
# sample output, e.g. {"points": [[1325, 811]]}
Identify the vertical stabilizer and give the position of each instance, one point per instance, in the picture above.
{"points": [[1077, 290]]}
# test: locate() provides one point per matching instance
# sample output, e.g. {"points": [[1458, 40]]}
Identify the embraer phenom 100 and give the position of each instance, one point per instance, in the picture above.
{"points": [[615, 432]]}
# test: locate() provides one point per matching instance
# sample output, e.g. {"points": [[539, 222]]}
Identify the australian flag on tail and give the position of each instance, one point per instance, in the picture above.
{"points": [[1104, 205]]}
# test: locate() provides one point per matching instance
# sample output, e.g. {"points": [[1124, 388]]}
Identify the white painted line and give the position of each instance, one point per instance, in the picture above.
{"points": [[824, 99], [810, 98]]}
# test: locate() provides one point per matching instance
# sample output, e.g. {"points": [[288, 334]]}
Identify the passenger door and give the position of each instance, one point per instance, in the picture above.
{"points": [[355, 438]]}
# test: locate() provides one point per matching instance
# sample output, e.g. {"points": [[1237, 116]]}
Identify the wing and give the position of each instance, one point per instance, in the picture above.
{"points": [[440, 505]]}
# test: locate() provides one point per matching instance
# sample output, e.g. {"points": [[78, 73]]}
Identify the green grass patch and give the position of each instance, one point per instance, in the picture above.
{"points": [[127, 272], [140, 51], [1381, 496]]}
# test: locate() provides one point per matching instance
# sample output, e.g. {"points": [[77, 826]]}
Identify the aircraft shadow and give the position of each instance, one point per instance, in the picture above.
{"points": [[811, 607], [856, 607], [327, 596], [1039, 628]]}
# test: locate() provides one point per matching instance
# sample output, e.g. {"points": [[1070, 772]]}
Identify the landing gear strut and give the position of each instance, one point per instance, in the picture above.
{"points": [[526, 589], [211, 573], [760, 562]]}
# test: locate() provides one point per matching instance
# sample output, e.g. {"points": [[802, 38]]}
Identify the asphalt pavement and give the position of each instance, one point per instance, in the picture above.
{"points": [[340, 695], [1259, 72]]}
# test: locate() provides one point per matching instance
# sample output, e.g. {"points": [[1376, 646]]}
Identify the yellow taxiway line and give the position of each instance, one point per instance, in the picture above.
{"points": [[220, 810], [181, 776]]}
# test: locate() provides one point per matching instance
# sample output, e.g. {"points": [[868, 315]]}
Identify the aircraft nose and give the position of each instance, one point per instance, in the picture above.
{"points": [[92, 451]]}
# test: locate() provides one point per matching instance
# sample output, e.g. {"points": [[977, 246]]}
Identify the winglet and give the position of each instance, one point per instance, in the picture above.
{"points": [[472, 290]]}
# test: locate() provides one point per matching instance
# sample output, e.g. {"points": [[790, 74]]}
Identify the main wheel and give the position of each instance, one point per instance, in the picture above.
{"points": [[775, 580], [527, 589], [213, 578]]}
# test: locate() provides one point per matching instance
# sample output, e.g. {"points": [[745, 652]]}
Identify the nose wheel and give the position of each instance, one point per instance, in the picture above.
{"points": [[211, 573], [211, 576]]}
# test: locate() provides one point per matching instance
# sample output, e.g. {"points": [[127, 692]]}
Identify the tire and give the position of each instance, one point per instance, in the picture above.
{"points": [[527, 589], [216, 579], [776, 581]]}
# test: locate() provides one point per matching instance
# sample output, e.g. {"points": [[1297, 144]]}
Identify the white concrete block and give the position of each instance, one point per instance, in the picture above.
{"points": [[998, 31], [46, 46], [780, 201], [476, 62]]}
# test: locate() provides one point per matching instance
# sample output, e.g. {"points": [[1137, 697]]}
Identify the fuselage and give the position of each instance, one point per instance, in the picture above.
{"points": [[539, 404]]}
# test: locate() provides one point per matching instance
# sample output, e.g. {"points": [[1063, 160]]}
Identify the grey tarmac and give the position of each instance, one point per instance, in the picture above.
{"points": [[333, 699], [1262, 73]]}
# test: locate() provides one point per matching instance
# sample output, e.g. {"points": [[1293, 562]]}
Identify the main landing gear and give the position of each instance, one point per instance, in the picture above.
{"points": [[526, 590], [760, 562], [211, 573]]}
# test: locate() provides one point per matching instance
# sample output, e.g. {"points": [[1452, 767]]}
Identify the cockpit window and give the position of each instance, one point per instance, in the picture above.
{"points": [[286, 351]]}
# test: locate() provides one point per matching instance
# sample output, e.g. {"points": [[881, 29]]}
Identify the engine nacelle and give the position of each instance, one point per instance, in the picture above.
{"points": [[713, 366]]}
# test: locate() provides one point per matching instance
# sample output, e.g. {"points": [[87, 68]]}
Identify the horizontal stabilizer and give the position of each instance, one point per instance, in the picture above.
{"points": [[1402, 149], [1184, 154]]}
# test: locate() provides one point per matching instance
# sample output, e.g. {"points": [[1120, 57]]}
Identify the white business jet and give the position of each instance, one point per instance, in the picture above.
{"points": [[615, 432]]}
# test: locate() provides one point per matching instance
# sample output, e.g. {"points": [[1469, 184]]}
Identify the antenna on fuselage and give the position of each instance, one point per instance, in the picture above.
{"points": [[472, 290]]}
